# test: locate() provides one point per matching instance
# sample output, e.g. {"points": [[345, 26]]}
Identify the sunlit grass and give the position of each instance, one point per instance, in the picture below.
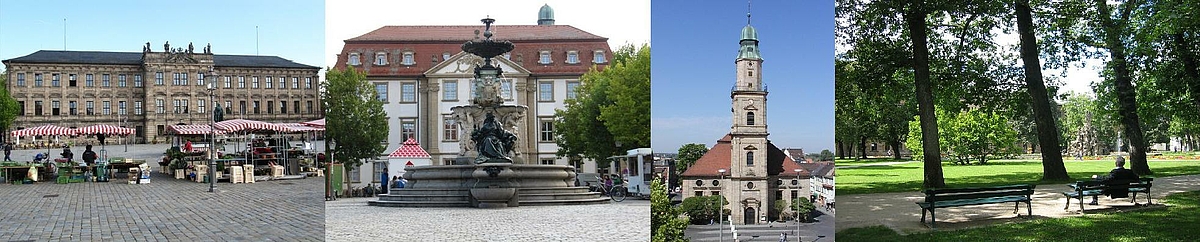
{"points": [[909, 177]]}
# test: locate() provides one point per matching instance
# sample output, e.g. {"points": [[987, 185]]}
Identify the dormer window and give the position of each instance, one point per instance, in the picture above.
{"points": [[446, 56], [599, 57], [355, 59], [572, 57], [508, 55], [544, 58], [381, 58], [407, 59]]}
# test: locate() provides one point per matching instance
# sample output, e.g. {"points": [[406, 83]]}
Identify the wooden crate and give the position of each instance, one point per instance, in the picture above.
{"points": [[277, 171], [236, 175], [180, 174], [248, 173]]}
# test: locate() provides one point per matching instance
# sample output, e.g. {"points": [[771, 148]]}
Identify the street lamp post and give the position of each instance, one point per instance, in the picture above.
{"points": [[212, 162], [796, 207], [721, 211]]}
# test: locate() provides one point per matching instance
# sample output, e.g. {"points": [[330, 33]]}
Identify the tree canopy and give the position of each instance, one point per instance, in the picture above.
{"points": [[355, 119], [611, 110]]}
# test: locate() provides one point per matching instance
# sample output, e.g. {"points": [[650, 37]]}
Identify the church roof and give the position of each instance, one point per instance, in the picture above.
{"points": [[410, 149], [135, 58], [718, 157], [463, 33]]}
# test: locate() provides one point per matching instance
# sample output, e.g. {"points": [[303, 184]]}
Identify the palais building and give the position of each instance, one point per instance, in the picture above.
{"points": [[420, 72], [151, 89]]}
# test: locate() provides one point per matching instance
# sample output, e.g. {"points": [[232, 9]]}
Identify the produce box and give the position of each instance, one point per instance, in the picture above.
{"points": [[236, 175], [277, 171], [248, 173]]}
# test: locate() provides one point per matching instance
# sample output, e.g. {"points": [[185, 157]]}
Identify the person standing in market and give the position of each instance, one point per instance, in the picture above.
{"points": [[383, 178], [8, 151], [89, 157]]}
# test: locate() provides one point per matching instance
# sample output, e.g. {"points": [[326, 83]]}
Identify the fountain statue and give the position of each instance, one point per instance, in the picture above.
{"points": [[490, 171]]}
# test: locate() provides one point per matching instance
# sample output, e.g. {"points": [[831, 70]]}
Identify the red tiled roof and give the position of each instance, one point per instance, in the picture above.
{"points": [[717, 157], [410, 149], [463, 33]]}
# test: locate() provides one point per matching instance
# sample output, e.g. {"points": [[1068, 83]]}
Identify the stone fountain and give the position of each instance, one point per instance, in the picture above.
{"points": [[489, 173]]}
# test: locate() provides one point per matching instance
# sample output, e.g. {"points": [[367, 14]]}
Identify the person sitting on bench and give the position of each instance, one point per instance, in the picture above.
{"points": [[1117, 174]]}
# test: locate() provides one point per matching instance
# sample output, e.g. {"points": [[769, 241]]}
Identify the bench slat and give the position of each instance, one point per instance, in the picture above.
{"points": [[976, 189], [968, 202], [977, 195]]}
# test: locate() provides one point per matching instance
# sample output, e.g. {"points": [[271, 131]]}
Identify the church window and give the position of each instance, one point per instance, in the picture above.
{"points": [[750, 185], [749, 158], [749, 118], [716, 183], [699, 183]]}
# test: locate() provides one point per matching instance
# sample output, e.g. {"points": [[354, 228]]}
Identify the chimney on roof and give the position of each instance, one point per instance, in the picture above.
{"points": [[546, 15]]}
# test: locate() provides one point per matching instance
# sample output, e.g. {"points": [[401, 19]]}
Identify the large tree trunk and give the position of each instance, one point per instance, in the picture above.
{"points": [[862, 147], [915, 16], [895, 143], [1047, 133], [1126, 92], [1184, 52], [841, 150]]}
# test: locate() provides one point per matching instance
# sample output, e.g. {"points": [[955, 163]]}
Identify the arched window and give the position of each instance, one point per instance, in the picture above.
{"points": [[749, 118], [354, 59], [749, 158], [381, 58]]}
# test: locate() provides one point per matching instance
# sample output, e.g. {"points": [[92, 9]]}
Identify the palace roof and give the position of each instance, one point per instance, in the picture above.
{"points": [[135, 58]]}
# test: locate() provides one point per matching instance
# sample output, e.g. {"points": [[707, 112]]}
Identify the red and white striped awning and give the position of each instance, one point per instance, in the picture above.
{"points": [[238, 125], [410, 149], [318, 123], [299, 127], [104, 129], [48, 129], [192, 129]]}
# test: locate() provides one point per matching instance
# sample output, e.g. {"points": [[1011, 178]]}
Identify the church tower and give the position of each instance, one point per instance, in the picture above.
{"points": [[748, 161]]}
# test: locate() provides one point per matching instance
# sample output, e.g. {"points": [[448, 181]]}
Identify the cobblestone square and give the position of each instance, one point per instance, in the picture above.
{"points": [[164, 210], [351, 219]]}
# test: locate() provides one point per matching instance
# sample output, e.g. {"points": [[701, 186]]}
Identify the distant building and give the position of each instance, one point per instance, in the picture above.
{"points": [[874, 148], [822, 184], [420, 72], [151, 89]]}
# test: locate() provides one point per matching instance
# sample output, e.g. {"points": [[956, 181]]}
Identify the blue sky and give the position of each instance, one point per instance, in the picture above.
{"points": [[694, 46], [293, 30]]}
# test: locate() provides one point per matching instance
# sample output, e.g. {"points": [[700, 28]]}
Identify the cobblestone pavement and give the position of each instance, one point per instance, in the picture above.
{"points": [[164, 210], [351, 219], [824, 225]]}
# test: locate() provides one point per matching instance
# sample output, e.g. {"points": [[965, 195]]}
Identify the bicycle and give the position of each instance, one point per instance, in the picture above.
{"points": [[613, 192]]}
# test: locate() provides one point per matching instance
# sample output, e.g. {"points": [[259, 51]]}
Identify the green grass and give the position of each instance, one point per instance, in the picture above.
{"points": [[909, 177], [845, 162], [1180, 221]]}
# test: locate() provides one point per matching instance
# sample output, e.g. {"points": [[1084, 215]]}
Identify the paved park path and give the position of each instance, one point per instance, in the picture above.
{"points": [[899, 211]]}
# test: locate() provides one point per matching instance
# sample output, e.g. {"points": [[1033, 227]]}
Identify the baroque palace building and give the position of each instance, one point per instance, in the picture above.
{"points": [[149, 90], [744, 167], [420, 72]]}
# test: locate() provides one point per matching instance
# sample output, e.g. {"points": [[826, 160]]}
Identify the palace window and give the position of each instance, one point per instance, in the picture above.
{"points": [[506, 89], [354, 59], [408, 129], [571, 89], [449, 128], [88, 81], [546, 91], [158, 78], [242, 107], [121, 80], [228, 82], [72, 80], [408, 59], [547, 161], [282, 83], [183, 79], [72, 108], [176, 107], [254, 82], [408, 92], [121, 108], [91, 107], [546, 130], [54, 108], [544, 58], [137, 107], [21, 79], [445, 56], [296, 107], [175, 79], [137, 80], [255, 107], [267, 82], [378, 171], [572, 57], [241, 81], [54, 81], [283, 107], [749, 118], [201, 105], [309, 106], [270, 107], [106, 107], [450, 90], [37, 79], [308, 83], [381, 91], [105, 80], [295, 83], [228, 107], [37, 108], [599, 57], [381, 59], [200, 79], [355, 175]]}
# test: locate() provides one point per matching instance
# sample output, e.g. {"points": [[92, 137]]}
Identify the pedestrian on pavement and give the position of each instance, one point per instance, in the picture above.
{"points": [[8, 151], [383, 178]]}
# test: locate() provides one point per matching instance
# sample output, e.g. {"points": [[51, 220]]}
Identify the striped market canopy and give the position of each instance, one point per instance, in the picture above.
{"points": [[192, 129], [299, 127], [239, 125], [318, 123], [105, 129], [48, 129], [410, 149]]}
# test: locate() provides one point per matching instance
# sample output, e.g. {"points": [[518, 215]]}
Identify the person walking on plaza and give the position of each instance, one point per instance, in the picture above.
{"points": [[8, 151]]}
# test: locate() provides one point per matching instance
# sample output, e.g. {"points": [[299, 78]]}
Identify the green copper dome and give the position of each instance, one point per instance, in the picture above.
{"points": [[546, 15], [748, 33], [749, 44]]}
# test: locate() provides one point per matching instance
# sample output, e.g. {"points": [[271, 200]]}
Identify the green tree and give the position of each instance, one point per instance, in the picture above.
{"points": [[9, 107], [827, 155], [803, 207], [702, 209], [665, 222], [611, 111], [688, 154], [356, 122]]}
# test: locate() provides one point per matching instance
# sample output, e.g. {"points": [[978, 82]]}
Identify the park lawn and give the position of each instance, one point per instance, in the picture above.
{"points": [[1179, 221], [909, 177]]}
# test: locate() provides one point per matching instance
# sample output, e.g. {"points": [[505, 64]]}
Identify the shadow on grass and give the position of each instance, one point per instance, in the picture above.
{"points": [[1010, 178], [1178, 222]]}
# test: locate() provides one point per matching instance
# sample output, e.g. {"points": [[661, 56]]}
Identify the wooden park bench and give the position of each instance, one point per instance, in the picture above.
{"points": [[1081, 189], [957, 197]]}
